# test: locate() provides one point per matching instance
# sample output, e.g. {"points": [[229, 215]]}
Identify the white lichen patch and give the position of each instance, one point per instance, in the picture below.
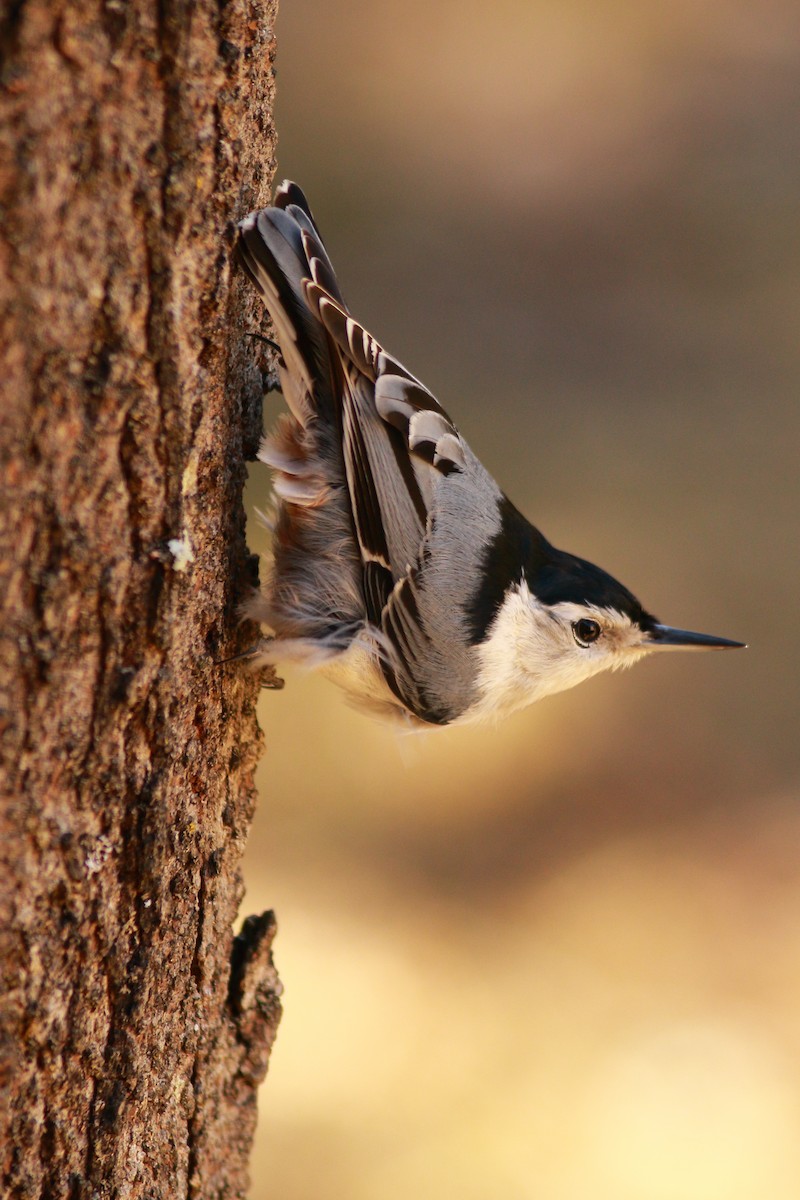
{"points": [[181, 551]]}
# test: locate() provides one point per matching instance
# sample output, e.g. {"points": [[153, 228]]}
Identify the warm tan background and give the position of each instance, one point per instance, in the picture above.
{"points": [[560, 961]]}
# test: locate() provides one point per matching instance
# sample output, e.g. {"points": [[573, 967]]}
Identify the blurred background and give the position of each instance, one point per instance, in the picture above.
{"points": [[559, 960]]}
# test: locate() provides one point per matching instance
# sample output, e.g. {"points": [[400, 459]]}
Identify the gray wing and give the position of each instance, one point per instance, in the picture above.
{"points": [[424, 510]]}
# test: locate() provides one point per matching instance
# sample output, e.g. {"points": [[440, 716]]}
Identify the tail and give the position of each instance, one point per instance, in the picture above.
{"points": [[280, 249], [312, 598]]}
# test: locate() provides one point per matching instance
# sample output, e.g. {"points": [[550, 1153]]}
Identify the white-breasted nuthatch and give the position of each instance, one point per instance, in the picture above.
{"points": [[400, 567]]}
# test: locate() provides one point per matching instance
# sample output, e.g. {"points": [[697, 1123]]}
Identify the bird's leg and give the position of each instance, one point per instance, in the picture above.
{"points": [[261, 337], [269, 676]]}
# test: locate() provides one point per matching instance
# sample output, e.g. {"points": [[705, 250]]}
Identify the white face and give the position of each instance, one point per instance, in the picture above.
{"points": [[575, 641], [537, 649]]}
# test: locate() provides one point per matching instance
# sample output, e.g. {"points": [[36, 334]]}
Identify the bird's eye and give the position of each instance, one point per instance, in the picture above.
{"points": [[586, 631]]}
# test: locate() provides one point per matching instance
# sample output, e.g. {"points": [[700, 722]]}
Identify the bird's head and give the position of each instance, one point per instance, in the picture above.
{"points": [[570, 620]]}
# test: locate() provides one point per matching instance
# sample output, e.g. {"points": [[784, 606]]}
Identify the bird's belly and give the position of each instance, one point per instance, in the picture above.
{"points": [[358, 673]]}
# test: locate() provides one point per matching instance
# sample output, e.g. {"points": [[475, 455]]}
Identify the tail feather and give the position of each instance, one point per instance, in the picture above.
{"points": [[313, 596], [280, 250], [288, 193], [292, 200]]}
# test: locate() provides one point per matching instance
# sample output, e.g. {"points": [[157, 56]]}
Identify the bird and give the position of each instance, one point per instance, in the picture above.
{"points": [[400, 569]]}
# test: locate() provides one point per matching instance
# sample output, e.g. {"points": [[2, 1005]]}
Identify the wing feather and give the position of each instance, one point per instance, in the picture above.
{"points": [[366, 506], [400, 447], [404, 669]]}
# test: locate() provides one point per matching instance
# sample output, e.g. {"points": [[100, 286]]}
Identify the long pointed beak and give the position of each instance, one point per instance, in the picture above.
{"points": [[664, 637]]}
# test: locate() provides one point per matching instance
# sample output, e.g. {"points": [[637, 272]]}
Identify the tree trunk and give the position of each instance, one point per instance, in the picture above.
{"points": [[135, 1028]]}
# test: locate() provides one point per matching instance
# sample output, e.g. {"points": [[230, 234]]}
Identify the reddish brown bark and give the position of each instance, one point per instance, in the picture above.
{"points": [[134, 1029]]}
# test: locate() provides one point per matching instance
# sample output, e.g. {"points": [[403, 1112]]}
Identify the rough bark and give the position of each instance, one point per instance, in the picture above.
{"points": [[135, 1028]]}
